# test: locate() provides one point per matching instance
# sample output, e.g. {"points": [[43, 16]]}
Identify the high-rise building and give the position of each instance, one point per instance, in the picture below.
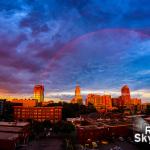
{"points": [[78, 93], [101, 102], [125, 95], [125, 91], [39, 93], [126, 101], [78, 98]]}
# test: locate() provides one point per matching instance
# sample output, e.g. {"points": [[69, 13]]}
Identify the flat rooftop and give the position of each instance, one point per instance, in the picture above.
{"points": [[8, 136], [135, 116], [147, 119], [10, 129], [13, 124], [101, 125], [91, 127]]}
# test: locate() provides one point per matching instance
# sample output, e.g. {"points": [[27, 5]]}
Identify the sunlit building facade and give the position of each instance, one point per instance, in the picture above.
{"points": [[106, 102], [78, 98], [39, 93], [125, 96], [101, 102], [25, 102], [53, 114], [125, 100], [136, 101]]}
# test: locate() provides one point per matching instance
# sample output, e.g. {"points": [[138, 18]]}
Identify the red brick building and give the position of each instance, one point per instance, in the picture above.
{"points": [[12, 134], [125, 96], [25, 102], [8, 141], [125, 99], [94, 133], [100, 101], [54, 114]]}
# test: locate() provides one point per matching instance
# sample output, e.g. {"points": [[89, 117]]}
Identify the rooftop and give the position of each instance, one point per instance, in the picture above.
{"points": [[147, 119], [13, 124], [8, 136], [10, 129]]}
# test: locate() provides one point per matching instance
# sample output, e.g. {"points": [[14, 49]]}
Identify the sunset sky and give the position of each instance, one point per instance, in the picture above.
{"points": [[99, 44]]}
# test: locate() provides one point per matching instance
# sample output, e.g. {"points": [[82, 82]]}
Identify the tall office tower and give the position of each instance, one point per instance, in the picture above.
{"points": [[78, 97], [78, 92], [39, 93], [125, 95], [100, 102]]}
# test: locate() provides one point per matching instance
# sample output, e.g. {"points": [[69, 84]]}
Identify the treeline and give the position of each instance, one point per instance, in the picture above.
{"points": [[75, 110], [70, 110]]}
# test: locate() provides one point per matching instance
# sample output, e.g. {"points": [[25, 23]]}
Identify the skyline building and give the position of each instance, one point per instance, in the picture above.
{"points": [[126, 101], [101, 102], [25, 102], [125, 95], [39, 93], [78, 98], [106, 102], [53, 114]]}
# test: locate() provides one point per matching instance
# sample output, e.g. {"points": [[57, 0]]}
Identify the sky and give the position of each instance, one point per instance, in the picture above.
{"points": [[99, 45]]}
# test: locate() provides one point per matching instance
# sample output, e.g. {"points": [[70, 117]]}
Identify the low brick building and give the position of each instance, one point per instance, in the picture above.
{"points": [[54, 114], [94, 133], [8, 141], [13, 134], [101, 102], [25, 102]]}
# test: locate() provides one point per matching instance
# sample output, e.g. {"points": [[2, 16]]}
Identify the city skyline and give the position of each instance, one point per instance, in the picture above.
{"points": [[99, 45], [38, 94]]}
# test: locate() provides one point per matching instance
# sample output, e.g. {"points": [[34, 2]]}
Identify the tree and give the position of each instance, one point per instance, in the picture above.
{"points": [[47, 124], [63, 127], [91, 108], [70, 110], [75, 110], [148, 110], [8, 112]]}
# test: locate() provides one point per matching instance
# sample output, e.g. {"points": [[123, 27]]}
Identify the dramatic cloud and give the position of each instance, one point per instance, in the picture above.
{"points": [[98, 44]]}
